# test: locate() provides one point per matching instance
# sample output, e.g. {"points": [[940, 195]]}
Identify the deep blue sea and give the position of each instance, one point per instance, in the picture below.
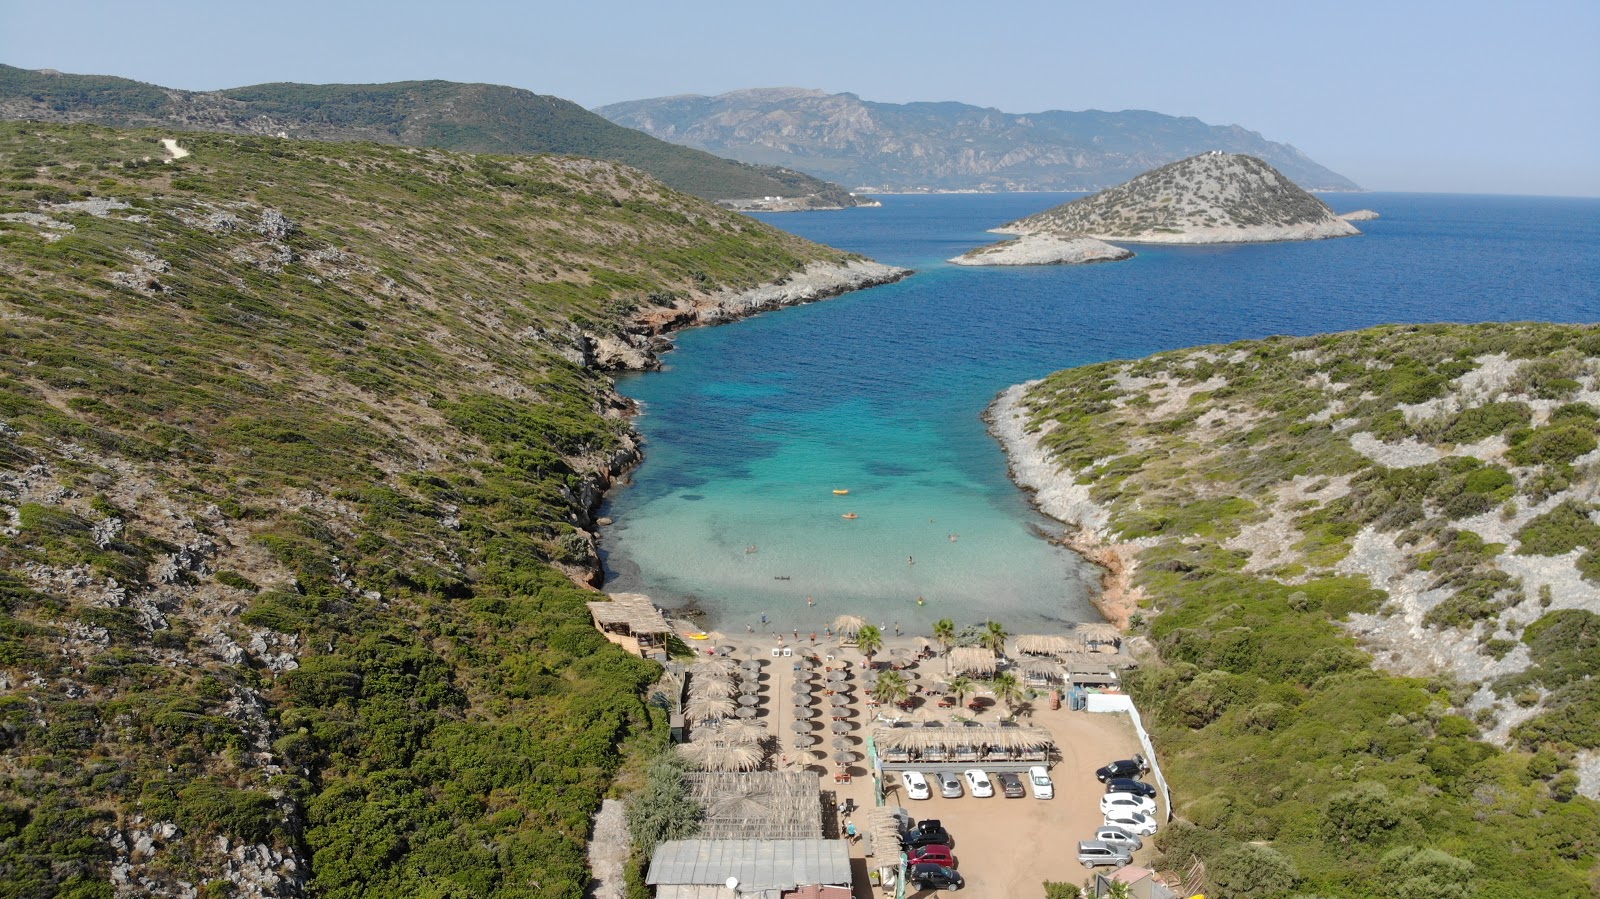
{"points": [[753, 425]]}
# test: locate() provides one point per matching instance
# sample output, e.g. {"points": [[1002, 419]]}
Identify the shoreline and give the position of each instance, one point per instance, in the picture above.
{"points": [[1035, 473]]}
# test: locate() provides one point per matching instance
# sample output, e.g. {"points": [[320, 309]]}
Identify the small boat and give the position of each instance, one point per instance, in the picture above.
{"points": [[841, 493], [850, 515], [780, 577]]}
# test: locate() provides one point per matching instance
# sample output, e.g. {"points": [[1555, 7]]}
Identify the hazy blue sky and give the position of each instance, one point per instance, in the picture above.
{"points": [[1461, 96]]}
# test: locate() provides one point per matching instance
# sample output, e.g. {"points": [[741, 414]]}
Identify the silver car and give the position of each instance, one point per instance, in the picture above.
{"points": [[949, 785], [1094, 852], [1117, 836]]}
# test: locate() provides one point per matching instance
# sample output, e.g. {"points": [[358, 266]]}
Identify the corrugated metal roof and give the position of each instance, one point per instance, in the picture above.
{"points": [[758, 864]]}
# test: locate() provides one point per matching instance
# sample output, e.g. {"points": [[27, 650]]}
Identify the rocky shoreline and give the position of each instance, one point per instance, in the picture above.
{"points": [[1068, 502], [1337, 227], [1044, 249]]}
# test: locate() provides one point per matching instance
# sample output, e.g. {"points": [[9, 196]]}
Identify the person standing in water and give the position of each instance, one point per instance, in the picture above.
{"points": [[910, 560]]}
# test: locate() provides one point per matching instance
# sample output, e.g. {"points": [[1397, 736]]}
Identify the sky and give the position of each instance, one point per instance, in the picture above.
{"points": [[1463, 96]]}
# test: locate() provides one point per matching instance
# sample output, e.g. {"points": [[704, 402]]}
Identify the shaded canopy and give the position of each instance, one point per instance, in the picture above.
{"points": [[717, 756], [848, 625], [1037, 667], [974, 659], [712, 666], [949, 739], [1099, 632], [707, 708], [883, 826], [710, 686], [1040, 644], [742, 731]]}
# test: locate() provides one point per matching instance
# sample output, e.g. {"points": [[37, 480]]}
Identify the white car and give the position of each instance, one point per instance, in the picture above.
{"points": [[1127, 801], [916, 785], [1039, 778], [1133, 822], [978, 783]]}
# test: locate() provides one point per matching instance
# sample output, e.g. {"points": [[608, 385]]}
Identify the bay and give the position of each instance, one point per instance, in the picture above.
{"points": [[753, 425]]}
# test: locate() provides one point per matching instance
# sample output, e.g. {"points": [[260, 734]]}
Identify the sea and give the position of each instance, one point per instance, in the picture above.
{"points": [[753, 428]]}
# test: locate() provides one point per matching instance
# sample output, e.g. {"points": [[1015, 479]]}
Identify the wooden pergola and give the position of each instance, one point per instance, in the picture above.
{"points": [[633, 622]]}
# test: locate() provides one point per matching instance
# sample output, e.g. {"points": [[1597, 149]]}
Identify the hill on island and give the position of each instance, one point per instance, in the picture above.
{"points": [[1365, 572], [299, 442], [947, 146], [1214, 197], [476, 118]]}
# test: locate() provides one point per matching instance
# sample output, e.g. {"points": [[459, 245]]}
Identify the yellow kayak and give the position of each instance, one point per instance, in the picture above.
{"points": [[699, 636], [841, 493]]}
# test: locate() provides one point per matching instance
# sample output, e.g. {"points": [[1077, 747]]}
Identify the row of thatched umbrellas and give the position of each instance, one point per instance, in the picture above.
{"points": [[723, 695], [837, 683]]}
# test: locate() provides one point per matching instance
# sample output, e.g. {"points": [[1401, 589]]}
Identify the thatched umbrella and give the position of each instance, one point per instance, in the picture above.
{"points": [[839, 700], [805, 711], [707, 708], [974, 659], [722, 756], [924, 644], [838, 675], [804, 740], [742, 731], [751, 665], [800, 727], [1040, 644], [1099, 632], [710, 667], [749, 699], [842, 727], [746, 712], [800, 686], [848, 625], [1038, 667], [845, 756], [710, 686]]}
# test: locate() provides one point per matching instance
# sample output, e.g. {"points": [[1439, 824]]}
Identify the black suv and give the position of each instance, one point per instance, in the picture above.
{"points": [[1129, 785], [936, 876], [1122, 768], [928, 832]]}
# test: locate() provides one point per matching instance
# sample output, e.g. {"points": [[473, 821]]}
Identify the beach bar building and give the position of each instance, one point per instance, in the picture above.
{"points": [[751, 869], [633, 622]]}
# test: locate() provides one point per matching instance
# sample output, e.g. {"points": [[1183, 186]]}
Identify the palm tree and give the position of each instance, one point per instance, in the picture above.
{"points": [[869, 640], [961, 687], [892, 688], [1007, 689], [994, 637], [944, 634]]}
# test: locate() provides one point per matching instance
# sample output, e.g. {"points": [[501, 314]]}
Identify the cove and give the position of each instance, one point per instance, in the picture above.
{"points": [[753, 425]]}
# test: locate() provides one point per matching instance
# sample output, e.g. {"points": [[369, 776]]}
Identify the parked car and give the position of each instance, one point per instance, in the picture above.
{"points": [[916, 785], [1123, 768], [1040, 779], [936, 854], [1132, 821], [1094, 852], [928, 832], [949, 785], [1010, 785], [1128, 801], [1129, 785], [978, 783], [1117, 836], [936, 877]]}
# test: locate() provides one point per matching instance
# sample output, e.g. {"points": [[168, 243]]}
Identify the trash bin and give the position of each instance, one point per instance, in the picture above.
{"points": [[1055, 700]]}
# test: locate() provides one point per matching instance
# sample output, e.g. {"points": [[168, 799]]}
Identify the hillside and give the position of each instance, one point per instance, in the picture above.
{"points": [[476, 118], [1360, 565], [946, 146], [299, 443], [1210, 198]]}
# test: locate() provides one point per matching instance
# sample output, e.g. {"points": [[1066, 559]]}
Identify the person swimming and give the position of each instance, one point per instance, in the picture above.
{"points": [[921, 601]]}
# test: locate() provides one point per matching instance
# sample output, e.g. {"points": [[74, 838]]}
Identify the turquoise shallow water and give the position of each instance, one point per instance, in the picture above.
{"points": [[754, 424]]}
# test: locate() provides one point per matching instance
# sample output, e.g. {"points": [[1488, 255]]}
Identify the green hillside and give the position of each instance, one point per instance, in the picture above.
{"points": [[1430, 489], [296, 451], [475, 118]]}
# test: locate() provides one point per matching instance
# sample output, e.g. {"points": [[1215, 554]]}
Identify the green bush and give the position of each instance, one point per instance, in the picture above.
{"points": [[1559, 531], [1553, 444]]}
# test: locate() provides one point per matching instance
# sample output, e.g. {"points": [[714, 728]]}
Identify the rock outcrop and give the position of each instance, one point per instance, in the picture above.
{"points": [[1044, 249], [1360, 215]]}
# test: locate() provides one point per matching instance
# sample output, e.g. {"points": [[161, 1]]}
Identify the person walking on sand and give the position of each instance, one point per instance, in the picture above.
{"points": [[810, 601], [897, 628]]}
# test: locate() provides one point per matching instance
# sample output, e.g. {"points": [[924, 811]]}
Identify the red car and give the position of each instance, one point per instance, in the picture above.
{"points": [[931, 855]]}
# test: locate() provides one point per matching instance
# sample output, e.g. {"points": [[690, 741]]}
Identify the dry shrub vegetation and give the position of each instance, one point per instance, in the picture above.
{"points": [[296, 447], [1299, 768]]}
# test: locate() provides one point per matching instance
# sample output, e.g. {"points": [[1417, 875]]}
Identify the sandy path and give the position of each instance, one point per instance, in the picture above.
{"points": [[173, 150]]}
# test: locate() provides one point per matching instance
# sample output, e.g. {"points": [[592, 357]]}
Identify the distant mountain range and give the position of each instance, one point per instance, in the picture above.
{"points": [[947, 146], [476, 118]]}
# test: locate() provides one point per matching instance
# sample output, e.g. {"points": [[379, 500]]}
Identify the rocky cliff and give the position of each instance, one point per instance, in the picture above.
{"points": [[946, 146]]}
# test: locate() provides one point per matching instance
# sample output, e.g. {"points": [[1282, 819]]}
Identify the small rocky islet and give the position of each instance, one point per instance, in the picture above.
{"points": [[1212, 198]]}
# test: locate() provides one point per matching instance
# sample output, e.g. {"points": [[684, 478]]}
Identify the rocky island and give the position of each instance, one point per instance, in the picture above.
{"points": [[1215, 197], [1357, 556]]}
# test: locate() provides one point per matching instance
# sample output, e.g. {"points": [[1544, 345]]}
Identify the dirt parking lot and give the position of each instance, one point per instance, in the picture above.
{"points": [[1009, 847]]}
